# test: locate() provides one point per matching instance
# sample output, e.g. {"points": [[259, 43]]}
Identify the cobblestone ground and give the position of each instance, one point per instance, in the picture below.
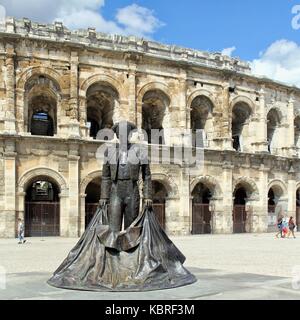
{"points": [[246, 266]]}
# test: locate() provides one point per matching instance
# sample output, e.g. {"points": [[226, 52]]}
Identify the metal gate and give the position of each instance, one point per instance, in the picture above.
{"points": [[90, 210], [159, 210], [42, 219], [201, 223], [239, 219]]}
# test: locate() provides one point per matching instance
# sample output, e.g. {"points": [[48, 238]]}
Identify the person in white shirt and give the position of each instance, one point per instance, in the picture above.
{"points": [[21, 231]]}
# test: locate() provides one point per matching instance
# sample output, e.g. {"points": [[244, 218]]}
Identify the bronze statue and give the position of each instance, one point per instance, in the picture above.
{"points": [[120, 179], [139, 258]]}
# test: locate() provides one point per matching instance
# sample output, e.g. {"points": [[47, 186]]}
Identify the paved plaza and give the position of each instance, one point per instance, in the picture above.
{"points": [[245, 266]]}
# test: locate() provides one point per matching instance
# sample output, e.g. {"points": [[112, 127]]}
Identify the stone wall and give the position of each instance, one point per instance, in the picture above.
{"points": [[45, 62]]}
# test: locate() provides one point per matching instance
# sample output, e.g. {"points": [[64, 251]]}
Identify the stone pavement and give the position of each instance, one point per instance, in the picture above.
{"points": [[232, 267]]}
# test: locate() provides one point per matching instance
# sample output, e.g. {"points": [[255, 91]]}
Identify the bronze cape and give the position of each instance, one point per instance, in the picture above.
{"points": [[142, 258]]}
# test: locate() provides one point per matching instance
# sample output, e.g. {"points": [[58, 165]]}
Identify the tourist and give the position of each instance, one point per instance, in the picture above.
{"points": [[292, 227], [279, 226], [21, 231], [285, 227]]}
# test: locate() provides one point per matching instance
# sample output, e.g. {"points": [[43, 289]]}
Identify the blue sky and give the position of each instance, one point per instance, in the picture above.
{"points": [[249, 25], [258, 31]]}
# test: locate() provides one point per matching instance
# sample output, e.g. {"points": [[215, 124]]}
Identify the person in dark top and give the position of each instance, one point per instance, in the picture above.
{"points": [[292, 227]]}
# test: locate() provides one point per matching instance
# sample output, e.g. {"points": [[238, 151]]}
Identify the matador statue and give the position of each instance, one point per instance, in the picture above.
{"points": [[120, 176], [138, 257]]}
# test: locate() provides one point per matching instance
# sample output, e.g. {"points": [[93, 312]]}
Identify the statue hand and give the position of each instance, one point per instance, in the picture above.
{"points": [[103, 202], [148, 203]]}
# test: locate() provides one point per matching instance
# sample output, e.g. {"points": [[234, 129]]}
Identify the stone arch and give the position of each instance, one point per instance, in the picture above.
{"points": [[152, 86], [210, 182], [39, 70], [279, 187], [278, 111], [153, 110], [249, 185], [50, 84], [243, 99], [168, 183], [242, 110], [274, 129], [200, 92], [88, 179], [112, 88], [30, 175], [102, 78]]}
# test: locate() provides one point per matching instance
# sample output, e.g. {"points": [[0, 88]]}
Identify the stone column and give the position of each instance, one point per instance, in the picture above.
{"points": [[9, 108], [74, 98], [82, 214], [226, 133], [84, 130], [260, 210], [179, 113], [172, 216], [8, 215], [227, 186], [74, 214], [292, 190], [21, 108], [217, 215], [131, 82], [288, 143], [64, 214], [261, 144], [185, 216]]}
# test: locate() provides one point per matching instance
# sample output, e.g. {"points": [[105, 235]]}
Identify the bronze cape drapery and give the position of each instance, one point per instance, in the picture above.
{"points": [[142, 258]]}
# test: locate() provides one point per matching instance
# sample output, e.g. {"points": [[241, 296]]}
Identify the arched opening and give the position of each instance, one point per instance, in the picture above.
{"points": [[273, 120], [93, 195], [274, 208], [201, 118], [241, 113], [298, 209], [201, 215], [239, 210], [42, 208], [42, 124], [155, 104], [102, 100], [41, 100], [297, 133], [160, 194], [271, 210]]}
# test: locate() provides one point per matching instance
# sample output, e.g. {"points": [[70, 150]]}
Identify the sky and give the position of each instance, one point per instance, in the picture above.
{"points": [[264, 32]]}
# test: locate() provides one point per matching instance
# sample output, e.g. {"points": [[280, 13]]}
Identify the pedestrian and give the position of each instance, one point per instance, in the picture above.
{"points": [[279, 226], [21, 231], [292, 227]]}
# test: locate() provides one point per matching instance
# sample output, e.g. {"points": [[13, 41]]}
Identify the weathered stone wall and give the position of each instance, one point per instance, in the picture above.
{"points": [[50, 62]]}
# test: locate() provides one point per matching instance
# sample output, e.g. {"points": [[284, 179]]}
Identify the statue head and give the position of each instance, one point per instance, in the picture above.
{"points": [[123, 130]]}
